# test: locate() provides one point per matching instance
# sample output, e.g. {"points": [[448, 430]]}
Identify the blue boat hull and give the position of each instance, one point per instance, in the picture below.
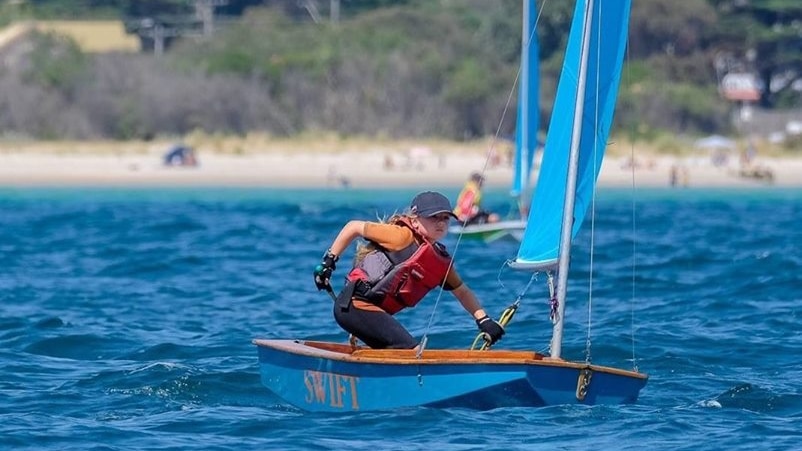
{"points": [[330, 377]]}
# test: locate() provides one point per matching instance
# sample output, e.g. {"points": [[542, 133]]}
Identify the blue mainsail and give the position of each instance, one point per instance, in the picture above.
{"points": [[528, 105], [608, 35]]}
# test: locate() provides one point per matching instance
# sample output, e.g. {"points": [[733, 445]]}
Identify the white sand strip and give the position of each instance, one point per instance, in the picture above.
{"points": [[142, 165]]}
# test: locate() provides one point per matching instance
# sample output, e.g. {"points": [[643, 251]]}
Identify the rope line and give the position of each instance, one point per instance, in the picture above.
{"points": [[490, 152]]}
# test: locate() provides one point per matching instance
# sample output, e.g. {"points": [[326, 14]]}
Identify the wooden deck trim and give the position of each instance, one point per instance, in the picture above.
{"points": [[346, 353]]}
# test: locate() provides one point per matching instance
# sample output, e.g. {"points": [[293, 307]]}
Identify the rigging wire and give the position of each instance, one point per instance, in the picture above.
{"points": [[592, 235], [505, 317], [588, 340], [488, 155], [510, 95], [633, 209], [593, 198]]}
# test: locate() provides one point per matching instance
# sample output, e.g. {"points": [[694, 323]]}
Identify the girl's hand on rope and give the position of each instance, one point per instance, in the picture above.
{"points": [[490, 328]]}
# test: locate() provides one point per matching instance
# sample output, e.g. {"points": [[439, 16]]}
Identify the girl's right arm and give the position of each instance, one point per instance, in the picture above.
{"points": [[348, 234]]}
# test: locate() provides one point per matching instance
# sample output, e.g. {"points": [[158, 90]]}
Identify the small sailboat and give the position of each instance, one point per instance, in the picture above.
{"points": [[526, 127], [335, 377]]}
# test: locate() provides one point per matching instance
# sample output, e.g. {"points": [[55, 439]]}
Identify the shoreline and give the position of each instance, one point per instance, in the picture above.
{"points": [[347, 165]]}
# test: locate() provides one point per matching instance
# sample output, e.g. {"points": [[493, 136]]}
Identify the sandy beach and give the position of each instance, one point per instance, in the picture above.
{"points": [[287, 164]]}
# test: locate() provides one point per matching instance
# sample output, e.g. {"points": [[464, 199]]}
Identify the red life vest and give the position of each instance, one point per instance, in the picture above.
{"points": [[397, 280], [466, 209]]}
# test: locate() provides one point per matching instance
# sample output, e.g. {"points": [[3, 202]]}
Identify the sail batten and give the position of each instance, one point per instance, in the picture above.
{"points": [[533, 265]]}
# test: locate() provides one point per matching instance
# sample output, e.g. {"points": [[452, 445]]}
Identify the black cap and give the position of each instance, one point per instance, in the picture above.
{"points": [[430, 203]]}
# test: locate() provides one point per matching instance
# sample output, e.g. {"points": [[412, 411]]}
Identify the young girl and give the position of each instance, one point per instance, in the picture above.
{"points": [[401, 263]]}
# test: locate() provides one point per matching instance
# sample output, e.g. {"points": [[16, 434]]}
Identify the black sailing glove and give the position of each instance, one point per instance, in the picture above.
{"points": [[492, 330], [323, 271]]}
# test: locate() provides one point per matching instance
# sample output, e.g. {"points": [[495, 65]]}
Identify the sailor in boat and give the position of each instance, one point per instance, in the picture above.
{"points": [[469, 203], [400, 263]]}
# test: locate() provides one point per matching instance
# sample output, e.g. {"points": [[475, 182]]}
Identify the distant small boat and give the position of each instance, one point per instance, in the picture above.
{"points": [[526, 128], [334, 377], [492, 231]]}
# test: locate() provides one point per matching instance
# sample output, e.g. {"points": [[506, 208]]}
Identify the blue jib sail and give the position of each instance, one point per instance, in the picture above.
{"points": [[528, 104], [610, 18]]}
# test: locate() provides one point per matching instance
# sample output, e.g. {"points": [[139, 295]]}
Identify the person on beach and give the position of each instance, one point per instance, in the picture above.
{"points": [[180, 155], [400, 263], [468, 209]]}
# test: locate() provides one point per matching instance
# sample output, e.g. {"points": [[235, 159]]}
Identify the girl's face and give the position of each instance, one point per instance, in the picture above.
{"points": [[435, 227]]}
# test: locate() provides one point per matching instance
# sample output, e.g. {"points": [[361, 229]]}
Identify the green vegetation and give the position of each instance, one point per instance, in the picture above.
{"points": [[412, 68], [56, 63]]}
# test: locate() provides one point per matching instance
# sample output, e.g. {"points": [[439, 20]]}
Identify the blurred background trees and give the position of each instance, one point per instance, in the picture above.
{"points": [[397, 68]]}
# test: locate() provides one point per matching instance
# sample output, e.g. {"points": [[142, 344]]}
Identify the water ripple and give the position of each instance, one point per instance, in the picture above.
{"points": [[127, 318]]}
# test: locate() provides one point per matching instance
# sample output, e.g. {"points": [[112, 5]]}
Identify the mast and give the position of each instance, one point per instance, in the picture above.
{"points": [[524, 156], [564, 258]]}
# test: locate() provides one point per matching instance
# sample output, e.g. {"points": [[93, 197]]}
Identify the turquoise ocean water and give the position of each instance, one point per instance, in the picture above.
{"points": [[126, 320]]}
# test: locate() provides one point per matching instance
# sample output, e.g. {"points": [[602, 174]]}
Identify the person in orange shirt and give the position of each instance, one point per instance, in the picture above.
{"points": [[468, 209], [401, 262]]}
